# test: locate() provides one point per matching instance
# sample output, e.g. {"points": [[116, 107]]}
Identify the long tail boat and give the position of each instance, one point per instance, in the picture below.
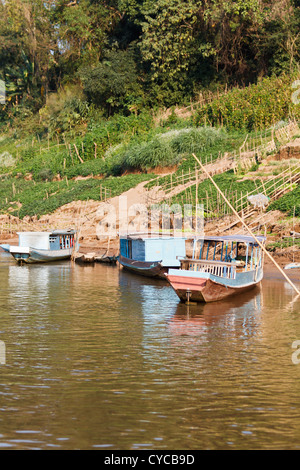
{"points": [[226, 266], [43, 247]]}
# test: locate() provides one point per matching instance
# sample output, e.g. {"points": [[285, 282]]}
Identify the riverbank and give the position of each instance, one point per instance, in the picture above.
{"points": [[282, 256]]}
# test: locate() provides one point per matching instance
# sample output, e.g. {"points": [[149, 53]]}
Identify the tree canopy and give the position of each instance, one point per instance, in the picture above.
{"points": [[125, 54]]}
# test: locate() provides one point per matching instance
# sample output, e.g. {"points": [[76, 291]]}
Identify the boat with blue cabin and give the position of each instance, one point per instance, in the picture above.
{"points": [[43, 247], [151, 254], [226, 266]]}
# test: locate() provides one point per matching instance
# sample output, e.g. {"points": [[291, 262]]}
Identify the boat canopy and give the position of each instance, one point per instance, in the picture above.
{"points": [[63, 232], [152, 236], [233, 238]]}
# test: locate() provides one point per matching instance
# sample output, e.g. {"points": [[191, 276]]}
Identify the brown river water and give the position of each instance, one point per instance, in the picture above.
{"points": [[94, 357]]}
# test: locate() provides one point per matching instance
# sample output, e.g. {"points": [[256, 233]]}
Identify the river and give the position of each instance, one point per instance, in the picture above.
{"points": [[94, 357]]}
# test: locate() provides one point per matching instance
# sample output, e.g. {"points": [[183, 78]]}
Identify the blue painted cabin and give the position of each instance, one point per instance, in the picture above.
{"points": [[151, 255]]}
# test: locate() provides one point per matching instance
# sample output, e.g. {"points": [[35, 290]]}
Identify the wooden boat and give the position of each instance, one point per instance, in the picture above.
{"points": [[105, 259], [292, 266], [226, 266], [43, 247], [5, 247], [151, 254]]}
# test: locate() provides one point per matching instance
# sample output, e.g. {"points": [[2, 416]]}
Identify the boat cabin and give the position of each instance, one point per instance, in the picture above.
{"points": [[50, 241], [225, 256], [153, 248]]}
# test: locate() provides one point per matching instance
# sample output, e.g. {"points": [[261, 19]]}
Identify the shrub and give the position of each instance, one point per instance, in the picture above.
{"points": [[255, 107], [289, 203]]}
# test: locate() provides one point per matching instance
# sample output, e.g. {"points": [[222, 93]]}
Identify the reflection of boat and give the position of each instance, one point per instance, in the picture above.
{"points": [[226, 266], [151, 254], [43, 247], [194, 319]]}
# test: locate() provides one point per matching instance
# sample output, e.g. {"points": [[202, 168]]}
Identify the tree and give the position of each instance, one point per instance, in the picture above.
{"points": [[169, 30], [26, 46], [113, 84], [83, 28]]}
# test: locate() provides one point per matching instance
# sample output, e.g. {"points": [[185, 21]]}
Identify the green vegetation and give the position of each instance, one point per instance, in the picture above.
{"points": [[286, 243], [69, 59], [86, 81], [255, 107], [289, 203], [231, 185], [27, 198], [166, 149]]}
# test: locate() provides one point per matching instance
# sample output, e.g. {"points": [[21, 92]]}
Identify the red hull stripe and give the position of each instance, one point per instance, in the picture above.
{"points": [[182, 282]]}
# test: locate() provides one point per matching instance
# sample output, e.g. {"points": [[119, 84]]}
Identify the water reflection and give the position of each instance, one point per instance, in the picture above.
{"points": [[31, 287], [100, 358]]}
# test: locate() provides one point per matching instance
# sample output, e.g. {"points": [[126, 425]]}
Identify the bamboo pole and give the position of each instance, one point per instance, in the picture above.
{"points": [[247, 228], [78, 154]]}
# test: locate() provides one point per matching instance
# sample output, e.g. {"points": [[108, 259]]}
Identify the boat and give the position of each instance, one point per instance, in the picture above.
{"points": [[292, 266], [226, 266], [151, 254], [43, 247], [105, 259], [5, 247]]}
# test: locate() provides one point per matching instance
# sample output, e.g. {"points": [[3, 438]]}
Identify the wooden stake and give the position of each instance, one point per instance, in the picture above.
{"points": [[78, 154], [247, 228]]}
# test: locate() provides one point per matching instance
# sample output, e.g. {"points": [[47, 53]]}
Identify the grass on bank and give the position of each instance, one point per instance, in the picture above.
{"points": [[27, 198], [38, 174]]}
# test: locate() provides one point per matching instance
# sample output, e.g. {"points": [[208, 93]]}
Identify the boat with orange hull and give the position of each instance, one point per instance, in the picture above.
{"points": [[226, 266]]}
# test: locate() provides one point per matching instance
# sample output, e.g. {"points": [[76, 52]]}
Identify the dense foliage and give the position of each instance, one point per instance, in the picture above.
{"points": [[254, 107], [123, 55], [84, 81]]}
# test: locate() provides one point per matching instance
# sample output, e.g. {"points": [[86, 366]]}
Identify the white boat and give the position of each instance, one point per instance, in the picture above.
{"points": [[43, 247]]}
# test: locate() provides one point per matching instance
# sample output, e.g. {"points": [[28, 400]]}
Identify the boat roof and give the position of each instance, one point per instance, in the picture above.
{"points": [[54, 232], [63, 232], [233, 238], [152, 236], [217, 238]]}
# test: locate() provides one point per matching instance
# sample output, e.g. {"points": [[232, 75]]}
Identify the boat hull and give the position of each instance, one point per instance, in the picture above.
{"points": [[205, 289], [33, 256], [107, 259], [144, 268], [5, 248]]}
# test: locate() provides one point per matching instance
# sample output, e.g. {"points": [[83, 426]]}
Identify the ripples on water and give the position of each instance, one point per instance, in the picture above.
{"points": [[100, 358]]}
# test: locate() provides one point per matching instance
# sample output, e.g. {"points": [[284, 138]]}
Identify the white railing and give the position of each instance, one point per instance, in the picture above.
{"points": [[217, 268]]}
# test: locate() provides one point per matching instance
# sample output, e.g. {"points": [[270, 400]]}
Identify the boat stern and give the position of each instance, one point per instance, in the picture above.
{"points": [[20, 253], [186, 287]]}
